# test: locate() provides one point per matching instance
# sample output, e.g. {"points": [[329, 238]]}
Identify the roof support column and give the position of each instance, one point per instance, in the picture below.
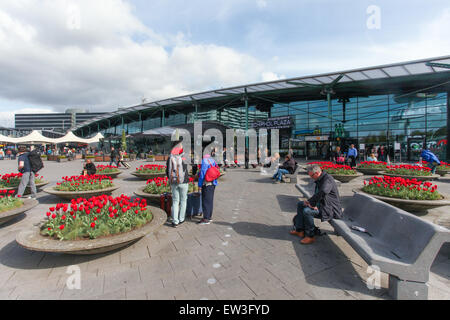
{"points": [[141, 121], [329, 110], [447, 156], [163, 119], [246, 127]]}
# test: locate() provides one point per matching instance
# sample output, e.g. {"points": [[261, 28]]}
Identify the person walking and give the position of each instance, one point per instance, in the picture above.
{"points": [[178, 175], [431, 159], [324, 204], [207, 182], [381, 153], [121, 159], [351, 155], [114, 157], [24, 167]]}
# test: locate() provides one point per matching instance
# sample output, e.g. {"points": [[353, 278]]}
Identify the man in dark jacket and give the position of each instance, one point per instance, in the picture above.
{"points": [[89, 168], [288, 166], [324, 204], [114, 157]]}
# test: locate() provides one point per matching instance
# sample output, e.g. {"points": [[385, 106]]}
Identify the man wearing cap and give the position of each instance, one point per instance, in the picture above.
{"points": [[27, 173]]}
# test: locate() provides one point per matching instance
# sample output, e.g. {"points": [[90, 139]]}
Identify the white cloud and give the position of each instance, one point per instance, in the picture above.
{"points": [[98, 55], [270, 76], [261, 4]]}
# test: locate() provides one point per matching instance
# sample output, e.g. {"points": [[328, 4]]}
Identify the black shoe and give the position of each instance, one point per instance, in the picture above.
{"points": [[203, 221], [173, 225], [181, 222]]}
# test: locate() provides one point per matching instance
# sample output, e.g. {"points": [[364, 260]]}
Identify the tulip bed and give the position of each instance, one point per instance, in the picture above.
{"points": [[8, 202], [397, 187], [336, 169], [151, 168], [408, 170], [84, 183], [101, 169], [96, 217], [162, 185], [372, 165], [12, 180]]}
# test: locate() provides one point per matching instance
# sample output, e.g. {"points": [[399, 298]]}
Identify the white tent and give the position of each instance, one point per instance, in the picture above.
{"points": [[36, 137], [32, 138]]}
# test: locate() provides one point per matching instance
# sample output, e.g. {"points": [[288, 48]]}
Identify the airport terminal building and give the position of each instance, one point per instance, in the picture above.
{"points": [[402, 106]]}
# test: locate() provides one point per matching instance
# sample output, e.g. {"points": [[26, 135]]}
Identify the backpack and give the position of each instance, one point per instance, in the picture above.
{"points": [[35, 159], [213, 172]]}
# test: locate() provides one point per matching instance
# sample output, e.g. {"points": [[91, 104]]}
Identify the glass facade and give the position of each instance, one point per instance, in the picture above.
{"points": [[374, 120]]}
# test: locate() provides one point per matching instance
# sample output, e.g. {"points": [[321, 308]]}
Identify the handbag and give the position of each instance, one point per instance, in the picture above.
{"points": [[213, 172], [340, 159]]}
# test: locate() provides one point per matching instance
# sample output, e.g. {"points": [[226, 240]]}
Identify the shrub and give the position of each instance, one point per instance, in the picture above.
{"points": [[8, 202], [161, 185], [12, 180], [408, 170], [84, 183], [397, 187], [372, 165], [101, 169], [95, 217], [151, 168]]}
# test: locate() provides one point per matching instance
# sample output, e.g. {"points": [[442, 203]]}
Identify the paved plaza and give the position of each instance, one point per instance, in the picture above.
{"points": [[245, 253]]}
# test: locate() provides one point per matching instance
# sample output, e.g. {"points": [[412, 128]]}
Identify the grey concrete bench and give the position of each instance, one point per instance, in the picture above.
{"points": [[292, 178], [400, 244]]}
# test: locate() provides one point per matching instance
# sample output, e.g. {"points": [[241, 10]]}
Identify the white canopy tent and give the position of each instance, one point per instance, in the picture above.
{"points": [[36, 137]]}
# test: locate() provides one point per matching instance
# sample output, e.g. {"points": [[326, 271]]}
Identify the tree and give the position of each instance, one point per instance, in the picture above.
{"points": [[124, 141]]}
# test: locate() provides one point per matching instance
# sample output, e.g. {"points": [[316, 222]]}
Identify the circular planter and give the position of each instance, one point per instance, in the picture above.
{"points": [[27, 189], [410, 205], [418, 178], [111, 175], [152, 198], [442, 172], [84, 194], [146, 176], [369, 171], [344, 178], [28, 204], [33, 240]]}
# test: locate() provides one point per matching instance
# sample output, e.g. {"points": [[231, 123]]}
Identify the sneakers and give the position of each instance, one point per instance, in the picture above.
{"points": [[204, 221], [277, 182], [173, 225], [301, 234], [307, 240]]}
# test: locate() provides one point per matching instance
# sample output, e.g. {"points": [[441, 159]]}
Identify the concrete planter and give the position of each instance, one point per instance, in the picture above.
{"points": [[344, 178], [152, 198], [62, 160], [27, 189], [28, 204], [369, 171], [52, 158], [410, 205], [33, 240], [83, 194], [111, 175], [161, 158], [442, 173], [146, 176], [418, 178], [151, 159]]}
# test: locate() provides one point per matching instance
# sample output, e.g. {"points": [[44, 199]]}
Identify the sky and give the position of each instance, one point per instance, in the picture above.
{"points": [[104, 54]]}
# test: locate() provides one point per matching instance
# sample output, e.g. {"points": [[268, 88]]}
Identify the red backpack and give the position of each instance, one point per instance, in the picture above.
{"points": [[213, 172]]}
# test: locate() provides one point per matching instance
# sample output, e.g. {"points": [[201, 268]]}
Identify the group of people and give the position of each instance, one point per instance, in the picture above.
{"points": [[117, 158], [9, 153], [178, 175], [349, 157]]}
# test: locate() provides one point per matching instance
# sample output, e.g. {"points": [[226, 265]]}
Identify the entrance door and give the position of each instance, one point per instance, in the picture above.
{"points": [[317, 150]]}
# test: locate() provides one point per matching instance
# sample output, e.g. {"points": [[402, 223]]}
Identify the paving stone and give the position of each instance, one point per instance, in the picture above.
{"points": [[131, 254], [91, 286], [233, 289], [121, 279], [118, 294]]}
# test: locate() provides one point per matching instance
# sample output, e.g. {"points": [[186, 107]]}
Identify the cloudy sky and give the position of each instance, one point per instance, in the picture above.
{"points": [[104, 54]]}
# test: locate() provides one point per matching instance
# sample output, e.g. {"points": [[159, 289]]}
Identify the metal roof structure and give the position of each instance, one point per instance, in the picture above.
{"points": [[398, 77]]}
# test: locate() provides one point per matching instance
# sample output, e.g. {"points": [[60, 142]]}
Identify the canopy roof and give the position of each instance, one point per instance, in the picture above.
{"points": [[36, 137], [396, 78]]}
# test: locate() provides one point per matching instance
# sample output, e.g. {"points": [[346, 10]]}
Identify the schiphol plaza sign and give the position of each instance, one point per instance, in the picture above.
{"points": [[274, 123], [235, 140]]}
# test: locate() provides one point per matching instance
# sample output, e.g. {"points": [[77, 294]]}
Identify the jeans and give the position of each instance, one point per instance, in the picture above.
{"points": [[208, 201], [432, 166], [304, 220], [27, 178], [179, 199], [279, 173]]}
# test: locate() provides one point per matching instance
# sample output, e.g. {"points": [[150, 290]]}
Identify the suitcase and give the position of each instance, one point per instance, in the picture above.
{"points": [[165, 203], [194, 204]]}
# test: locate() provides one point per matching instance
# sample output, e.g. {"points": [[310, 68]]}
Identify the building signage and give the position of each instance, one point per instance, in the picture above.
{"points": [[316, 138], [274, 123]]}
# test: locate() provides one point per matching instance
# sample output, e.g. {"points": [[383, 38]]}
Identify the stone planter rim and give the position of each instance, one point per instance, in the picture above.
{"points": [[140, 192], [369, 171], [28, 204], [111, 174], [33, 240], [146, 176], [419, 178], [445, 201], [78, 194], [38, 185]]}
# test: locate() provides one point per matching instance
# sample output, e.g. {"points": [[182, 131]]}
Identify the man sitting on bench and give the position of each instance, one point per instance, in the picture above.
{"points": [[287, 167], [324, 204]]}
